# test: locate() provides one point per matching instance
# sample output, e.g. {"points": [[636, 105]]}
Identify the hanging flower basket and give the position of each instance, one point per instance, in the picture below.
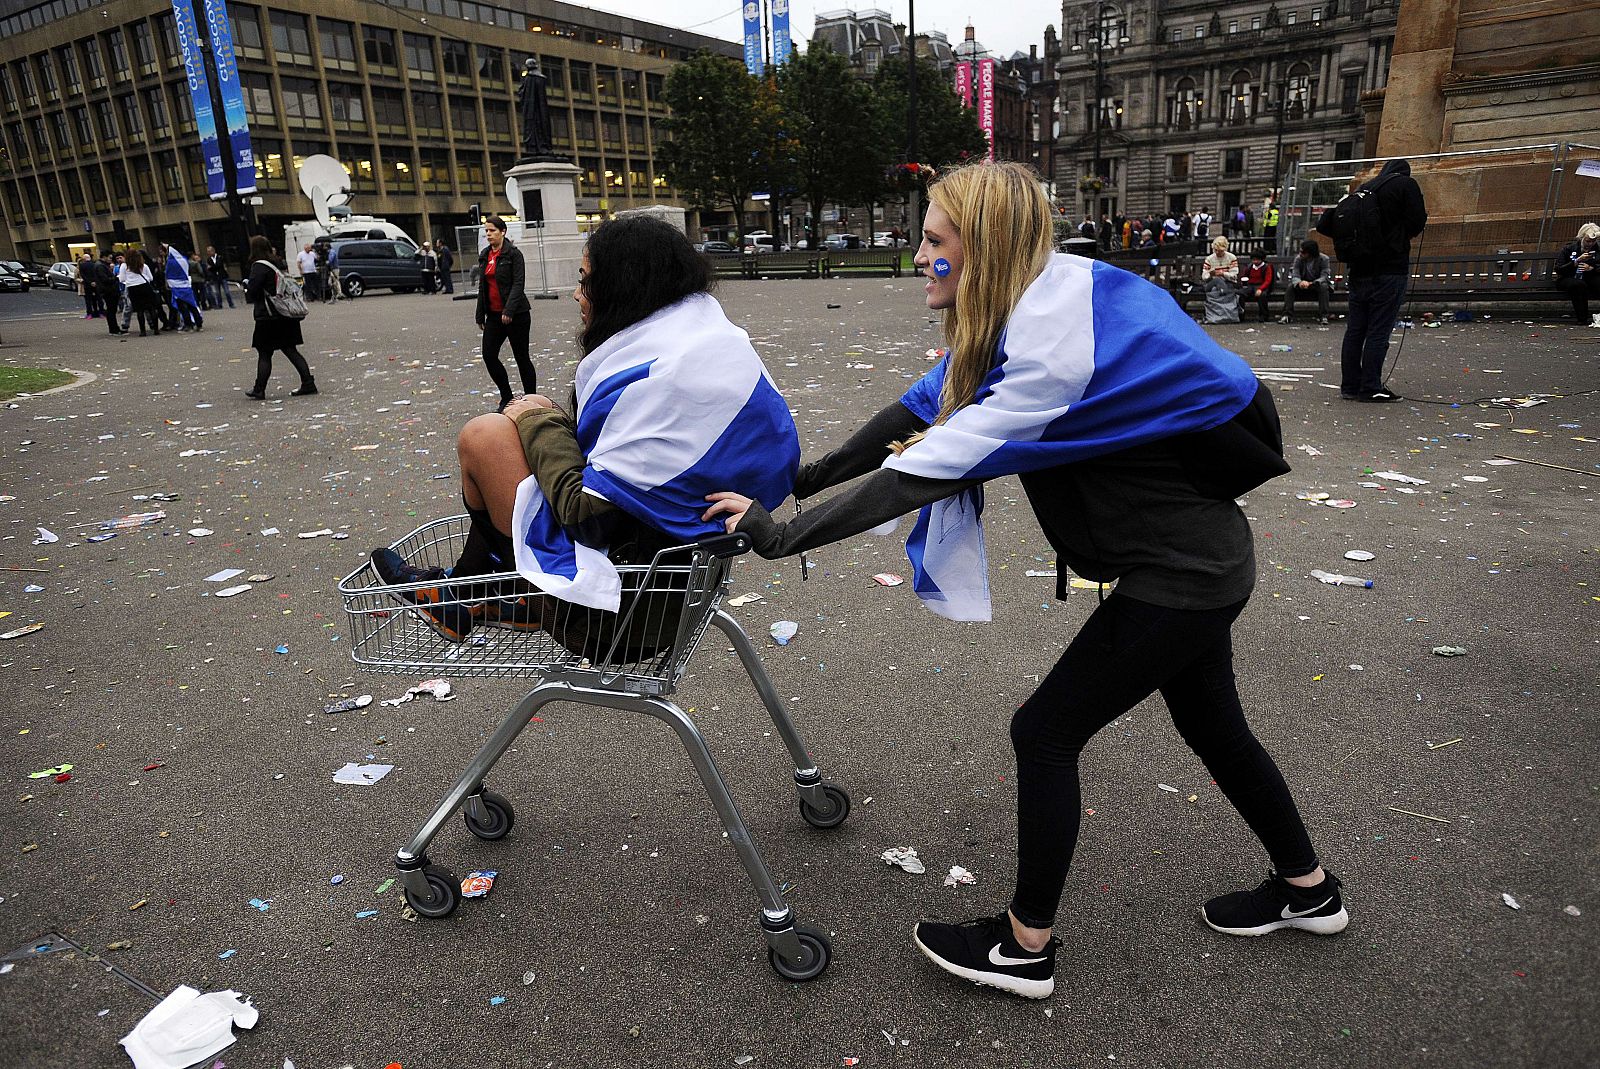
{"points": [[1091, 184]]}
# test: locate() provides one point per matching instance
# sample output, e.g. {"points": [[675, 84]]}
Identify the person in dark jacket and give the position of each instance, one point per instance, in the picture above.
{"points": [[1311, 275], [104, 280], [503, 310], [1129, 482], [273, 332], [1577, 272], [1378, 283], [217, 278], [447, 260]]}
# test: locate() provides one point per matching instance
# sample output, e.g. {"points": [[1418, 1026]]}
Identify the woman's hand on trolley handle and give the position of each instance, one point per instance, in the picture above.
{"points": [[728, 504]]}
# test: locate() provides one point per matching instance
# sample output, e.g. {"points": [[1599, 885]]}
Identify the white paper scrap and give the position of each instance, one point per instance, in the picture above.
{"points": [[224, 575], [362, 775], [187, 1027], [906, 858]]}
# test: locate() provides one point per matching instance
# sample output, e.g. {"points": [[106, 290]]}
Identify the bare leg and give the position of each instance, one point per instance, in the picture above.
{"points": [[492, 464]]}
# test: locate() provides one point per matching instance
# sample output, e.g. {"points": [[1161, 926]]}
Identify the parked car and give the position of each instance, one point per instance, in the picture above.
{"points": [[370, 265], [32, 272], [12, 282], [835, 242], [62, 276], [763, 242], [715, 246], [885, 237]]}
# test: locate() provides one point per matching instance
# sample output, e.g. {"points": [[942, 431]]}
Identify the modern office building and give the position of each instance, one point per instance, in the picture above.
{"points": [[415, 97], [1206, 105]]}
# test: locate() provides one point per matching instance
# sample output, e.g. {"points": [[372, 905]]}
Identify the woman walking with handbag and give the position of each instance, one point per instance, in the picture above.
{"points": [[503, 310], [275, 330], [137, 280]]}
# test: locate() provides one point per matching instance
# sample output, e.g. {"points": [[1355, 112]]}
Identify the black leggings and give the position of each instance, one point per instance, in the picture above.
{"points": [[495, 333], [1126, 650], [264, 366]]}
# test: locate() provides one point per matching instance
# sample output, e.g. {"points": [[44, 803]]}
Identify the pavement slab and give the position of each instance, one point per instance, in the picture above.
{"points": [[621, 930]]}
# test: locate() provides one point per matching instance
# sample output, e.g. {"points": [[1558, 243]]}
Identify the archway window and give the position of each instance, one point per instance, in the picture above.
{"points": [[1299, 92], [1184, 107], [1241, 101]]}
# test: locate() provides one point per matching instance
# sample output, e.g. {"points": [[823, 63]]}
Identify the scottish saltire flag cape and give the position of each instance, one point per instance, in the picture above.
{"points": [[671, 409], [1093, 360], [178, 278]]}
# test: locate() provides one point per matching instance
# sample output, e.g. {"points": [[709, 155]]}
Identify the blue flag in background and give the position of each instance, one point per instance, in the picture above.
{"points": [[753, 59], [194, 67], [233, 113]]}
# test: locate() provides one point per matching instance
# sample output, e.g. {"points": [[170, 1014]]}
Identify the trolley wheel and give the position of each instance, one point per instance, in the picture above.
{"points": [[830, 816], [498, 820], [815, 953], [444, 894]]}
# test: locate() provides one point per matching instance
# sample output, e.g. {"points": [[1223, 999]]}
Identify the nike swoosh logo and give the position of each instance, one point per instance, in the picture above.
{"points": [[1000, 959], [1289, 914]]}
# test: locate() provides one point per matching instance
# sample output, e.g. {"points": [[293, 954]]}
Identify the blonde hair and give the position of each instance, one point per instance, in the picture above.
{"points": [[1004, 219], [1589, 232], [1219, 244]]}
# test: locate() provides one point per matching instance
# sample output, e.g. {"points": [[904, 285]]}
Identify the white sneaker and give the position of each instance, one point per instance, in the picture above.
{"points": [[1595, 320]]}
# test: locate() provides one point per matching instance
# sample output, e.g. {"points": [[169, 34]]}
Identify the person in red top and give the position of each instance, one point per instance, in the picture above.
{"points": [[1257, 283], [503, 309]]}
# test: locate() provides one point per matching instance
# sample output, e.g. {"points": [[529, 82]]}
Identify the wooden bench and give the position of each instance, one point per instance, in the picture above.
{"points": [[884, 262], [728, 264], [771, 264]]}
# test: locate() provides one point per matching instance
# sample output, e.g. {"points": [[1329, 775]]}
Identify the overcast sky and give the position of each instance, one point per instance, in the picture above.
{"points": [[1001, 28]]}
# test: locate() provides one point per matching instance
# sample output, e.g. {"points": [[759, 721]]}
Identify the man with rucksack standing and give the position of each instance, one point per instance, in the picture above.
{"points": [[1372, 229]]}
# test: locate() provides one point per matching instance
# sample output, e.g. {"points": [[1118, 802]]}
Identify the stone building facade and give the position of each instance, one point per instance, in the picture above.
{"points": [[1206, 105], [415, 97]]}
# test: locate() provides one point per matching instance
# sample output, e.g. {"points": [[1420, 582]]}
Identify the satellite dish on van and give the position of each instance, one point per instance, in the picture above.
{"points": [[514, 195], [325, 183]]}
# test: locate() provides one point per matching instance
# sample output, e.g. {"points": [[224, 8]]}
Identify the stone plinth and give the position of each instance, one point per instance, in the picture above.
{"points": [[675, 217], [554, 250]]}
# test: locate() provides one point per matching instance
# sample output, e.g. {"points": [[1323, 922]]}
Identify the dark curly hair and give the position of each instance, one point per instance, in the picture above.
{"points": [[637, 266]]}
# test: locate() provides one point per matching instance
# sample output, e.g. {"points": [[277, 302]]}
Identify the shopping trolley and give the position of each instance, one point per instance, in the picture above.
{"points": [[631, 660]]}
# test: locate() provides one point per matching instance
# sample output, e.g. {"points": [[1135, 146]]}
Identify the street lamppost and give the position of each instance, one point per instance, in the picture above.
{"points": [[1100, 41]]}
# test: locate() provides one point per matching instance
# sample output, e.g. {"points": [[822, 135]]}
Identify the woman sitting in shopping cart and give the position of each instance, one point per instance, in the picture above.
{"points": [[670, 403], [1133, 432]]}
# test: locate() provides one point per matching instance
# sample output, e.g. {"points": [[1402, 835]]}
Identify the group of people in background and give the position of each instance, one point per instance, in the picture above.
{"points": [[1155, 229], [160, 286], [1228, 285]]}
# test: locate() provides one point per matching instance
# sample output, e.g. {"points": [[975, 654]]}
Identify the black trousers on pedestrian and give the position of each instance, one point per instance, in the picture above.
{"points": [[1126, 650], [1294, 293], [496, 333], [1263, 303], [1374, 306], [1578, 289]]}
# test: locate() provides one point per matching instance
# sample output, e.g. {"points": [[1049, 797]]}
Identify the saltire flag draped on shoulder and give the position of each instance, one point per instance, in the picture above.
{"points": [[178, 278], [671, 409], [1093, 360]]}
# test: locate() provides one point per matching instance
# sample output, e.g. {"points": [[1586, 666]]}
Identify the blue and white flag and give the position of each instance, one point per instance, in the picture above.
{"points": [[178, 278], [1093, 360], [671, 409]]}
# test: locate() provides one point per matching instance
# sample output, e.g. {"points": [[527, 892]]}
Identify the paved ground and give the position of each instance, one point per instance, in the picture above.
{"points": [[618, 894]]}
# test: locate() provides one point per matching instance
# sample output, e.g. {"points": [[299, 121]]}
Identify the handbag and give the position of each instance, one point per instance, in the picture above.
{"points": [[290, 300]]}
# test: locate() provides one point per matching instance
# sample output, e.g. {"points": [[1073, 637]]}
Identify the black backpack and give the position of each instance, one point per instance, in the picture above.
{"points": [[1356, 225]]}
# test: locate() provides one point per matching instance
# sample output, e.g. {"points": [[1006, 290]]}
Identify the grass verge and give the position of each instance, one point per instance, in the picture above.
{"points": [[19, 380]]}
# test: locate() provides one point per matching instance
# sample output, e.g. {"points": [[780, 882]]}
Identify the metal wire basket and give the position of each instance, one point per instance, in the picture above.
{"points": [[501, 626]]}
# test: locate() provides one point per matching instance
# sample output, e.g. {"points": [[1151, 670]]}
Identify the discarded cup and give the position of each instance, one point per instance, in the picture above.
{"points": [[1334, 579], [784, 630]]}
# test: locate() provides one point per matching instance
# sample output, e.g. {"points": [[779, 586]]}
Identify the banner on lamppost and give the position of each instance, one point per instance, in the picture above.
{"points": [[780, 32], [985, 95], [753, 61], [194, 66], [234, 119], [964, 83]]}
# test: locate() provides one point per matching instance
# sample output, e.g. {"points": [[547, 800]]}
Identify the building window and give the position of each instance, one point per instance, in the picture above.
{"points": [[197, 172], [302, 106], [1233, 25], [58, 123], [40, 142], [398, 177], [1299, 92], [655, 86], [47, 77], [470, 175], [69, 69], [338, 42], [636, 136], [378, 45], [419, 57], [1241, 102], [92, 63], [585, 135], [171, 179], [1232, 162], [118, 54], [260, 103], [606, 85], [464, 117], [630, 88], [269, 165], [1255, 22], [30, 89], [170, 50], [108, 124], [80, 123], [246, 23], [611, 128], [1185, 108], [357, 159], [146, 185], [1199, 32], [1350, 92], [346, 106], [155, 102], [497, 120], [435, 165], [389, 112], [74, 190], [117, 182], [555, 73], [144, 47], [1177, 34], [1110, 109], [582, 81], [456, 58], [1291, 18], [182, 106], [491, 66], [7, 90], [1316, 15], [132, 121], [291, 38], [427, 110], [1344, 150]]}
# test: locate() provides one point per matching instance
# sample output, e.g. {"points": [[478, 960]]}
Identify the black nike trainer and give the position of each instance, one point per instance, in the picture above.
{"points": [[1276, 904], [984, 951]]}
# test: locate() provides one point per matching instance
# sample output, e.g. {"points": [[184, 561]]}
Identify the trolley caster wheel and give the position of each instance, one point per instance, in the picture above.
{"points": [[444, 894], [830, 816], [498, 819], [815, 953]]}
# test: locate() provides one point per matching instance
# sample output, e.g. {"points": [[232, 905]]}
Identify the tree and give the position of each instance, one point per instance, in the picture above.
{"points": [[827, 129], [721, 128], [947, 130]]}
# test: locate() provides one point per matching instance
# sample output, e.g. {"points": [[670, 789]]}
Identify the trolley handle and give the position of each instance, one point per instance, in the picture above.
{"points": [[726, 545]]}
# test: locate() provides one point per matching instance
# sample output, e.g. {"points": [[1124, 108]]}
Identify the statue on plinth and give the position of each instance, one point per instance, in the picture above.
{"points": [[533, 107]]}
